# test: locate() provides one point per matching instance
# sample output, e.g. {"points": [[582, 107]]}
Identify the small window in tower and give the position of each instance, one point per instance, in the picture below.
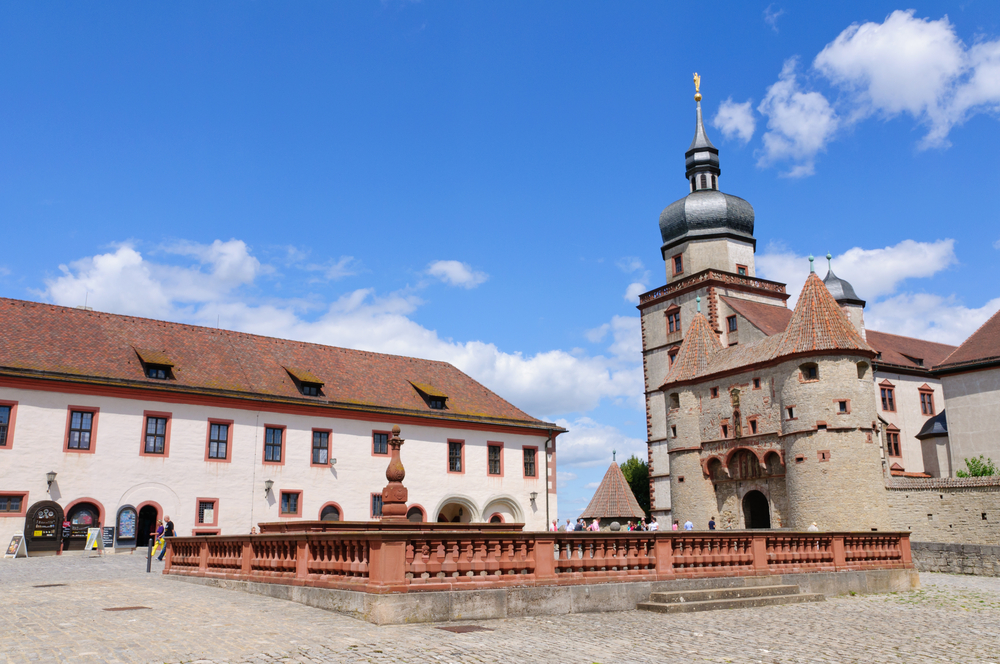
{"points": [[672, 355], [675, 400], [731, 323], [703, 181], [741, 270], [791, 413], [810, 371], [862, 369], [673, 431], [715, 182], [714, 392], [753, 426], [842, 407], [756, 383], [678, 263], [725, 431]]}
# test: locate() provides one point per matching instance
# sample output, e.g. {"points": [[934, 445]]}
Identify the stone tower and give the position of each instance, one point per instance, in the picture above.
{"points": [[708, 251]]}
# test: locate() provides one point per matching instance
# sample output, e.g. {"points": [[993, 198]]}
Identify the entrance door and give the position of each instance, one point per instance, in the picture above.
{"points": [[146, 525], [43, 527], [756, 511], [82, 517]]}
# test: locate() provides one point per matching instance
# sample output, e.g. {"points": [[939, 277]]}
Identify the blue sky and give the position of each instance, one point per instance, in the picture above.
{"points": [[481, 182]]}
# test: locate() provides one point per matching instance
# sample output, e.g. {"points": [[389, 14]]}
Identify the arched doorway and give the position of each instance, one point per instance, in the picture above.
{"points": [[81, 517], [145, 524], [330, 513], [756, 511], [415, 515]]}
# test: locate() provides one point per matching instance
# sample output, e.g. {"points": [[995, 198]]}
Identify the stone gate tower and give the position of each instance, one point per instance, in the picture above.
{"points": [[766, 423]]}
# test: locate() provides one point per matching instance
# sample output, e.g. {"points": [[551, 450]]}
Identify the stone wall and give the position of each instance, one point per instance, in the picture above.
{"points": [[949, 511], [956, 558]]}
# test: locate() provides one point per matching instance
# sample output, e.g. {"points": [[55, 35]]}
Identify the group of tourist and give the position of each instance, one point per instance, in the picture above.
{"points": [[595, 526]]}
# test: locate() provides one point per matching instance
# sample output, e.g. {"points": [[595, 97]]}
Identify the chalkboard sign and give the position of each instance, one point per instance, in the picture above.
{"points": [[109, 536]]}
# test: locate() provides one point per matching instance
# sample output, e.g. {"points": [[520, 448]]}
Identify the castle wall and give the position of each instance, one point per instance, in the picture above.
{"points": [[957, 511]]}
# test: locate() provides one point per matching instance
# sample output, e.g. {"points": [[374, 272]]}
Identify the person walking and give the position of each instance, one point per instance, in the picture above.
{"points": [[711, 523], [158, 537], [688, 525], [168, 531], [675, 525]]}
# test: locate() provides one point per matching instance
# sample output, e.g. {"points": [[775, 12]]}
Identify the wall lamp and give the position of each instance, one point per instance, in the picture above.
{"points": [[267, 486], [333, 461], [533, 495], [50, 477]]}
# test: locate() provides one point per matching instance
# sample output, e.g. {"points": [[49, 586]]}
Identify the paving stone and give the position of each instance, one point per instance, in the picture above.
{"points": [[952, 619]]}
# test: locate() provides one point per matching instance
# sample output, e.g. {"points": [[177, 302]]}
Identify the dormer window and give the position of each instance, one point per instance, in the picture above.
{"points": [[155, 363], [308, 383], [433, 397]]}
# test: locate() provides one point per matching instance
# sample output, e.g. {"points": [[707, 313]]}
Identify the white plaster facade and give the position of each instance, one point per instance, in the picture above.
{"points": [[114, 473], [973, 398], [907, 416]]}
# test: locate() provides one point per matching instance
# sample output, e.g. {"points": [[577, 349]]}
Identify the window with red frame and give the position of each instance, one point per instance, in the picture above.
{"points": [[218, 440], [678, 263], [529, 462], [11, 503], [4, 423], [927, 403], [156, 434], [674, 322], [80, 427], [206, 512], [272, 444], [493, 459], [892, 443], [888, 399]]}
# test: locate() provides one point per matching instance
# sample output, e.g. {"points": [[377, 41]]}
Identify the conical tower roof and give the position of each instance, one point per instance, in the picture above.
{"points": [[700, 343], [613, 499], [818, 324]]}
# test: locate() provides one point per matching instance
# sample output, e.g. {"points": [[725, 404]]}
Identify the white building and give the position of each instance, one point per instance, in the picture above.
{"points": [[137, 419]]}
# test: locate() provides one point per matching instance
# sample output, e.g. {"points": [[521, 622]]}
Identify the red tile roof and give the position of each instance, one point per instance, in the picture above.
{"points": [[768, 318], [983, 345], [613, 499], [48, 341], [816, 325], [898, 350]]}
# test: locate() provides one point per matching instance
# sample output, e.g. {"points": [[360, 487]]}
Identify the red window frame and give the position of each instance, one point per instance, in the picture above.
{"points": [[461, 457], [837, 403], [323, 507], [9, 440], [744, 273], [388, 435], [534, 448], [284, 445], [93, 428], [757, 384], [146, 414], [371, 505], [752, 425], [927, 402], [674, 261], [673, 319], [198, 524], [23, 495], [229, 440], [298, 503], [329, 447], [713, 392], [892, 446], [494, 444], [887, 395]]}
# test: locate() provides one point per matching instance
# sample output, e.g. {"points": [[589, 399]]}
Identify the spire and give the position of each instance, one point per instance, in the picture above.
{"points": [[818, 324], [841, 290], [700, 343], [702, 156], [613, 499]]}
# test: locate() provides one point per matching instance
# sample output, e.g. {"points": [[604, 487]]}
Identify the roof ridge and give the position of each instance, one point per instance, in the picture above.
{"points": [[967, 340]]}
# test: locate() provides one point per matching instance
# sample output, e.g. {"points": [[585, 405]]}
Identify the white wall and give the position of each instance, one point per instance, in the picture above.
{"points": [[115, 474]]}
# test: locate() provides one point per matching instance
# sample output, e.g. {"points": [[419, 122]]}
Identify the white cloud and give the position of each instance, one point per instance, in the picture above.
{"points": [[996, 245], [630, 264], [910, 65], [931, 317], [591, 485], [771, 16], [211, 288], [799, 124], [735, 120], [456, 274], [345, 266], [634, 290], [565, 476], [874, 273], [588, 444]]}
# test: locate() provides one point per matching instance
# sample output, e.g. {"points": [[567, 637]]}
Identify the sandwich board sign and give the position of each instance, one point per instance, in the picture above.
{"points": [[16, 548], [95, 540]]}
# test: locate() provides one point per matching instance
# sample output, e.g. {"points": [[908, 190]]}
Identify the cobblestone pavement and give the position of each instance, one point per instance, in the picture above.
{"points": [[952, 619]]}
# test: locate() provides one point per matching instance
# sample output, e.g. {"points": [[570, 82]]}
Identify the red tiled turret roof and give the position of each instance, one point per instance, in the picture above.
{"points": [[61, 343], [700, 343], [613, 499], [818, 324]]}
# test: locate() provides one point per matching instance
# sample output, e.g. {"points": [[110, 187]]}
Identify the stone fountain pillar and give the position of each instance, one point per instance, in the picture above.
{"points": [[394, 494]]}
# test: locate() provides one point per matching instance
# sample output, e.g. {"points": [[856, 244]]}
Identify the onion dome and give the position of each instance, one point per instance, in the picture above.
{"points": [[841, 290], [706, 212]]}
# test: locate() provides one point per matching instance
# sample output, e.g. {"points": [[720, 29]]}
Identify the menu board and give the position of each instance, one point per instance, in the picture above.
{"points": [[109, 536], [126, 524], [44, 526], [16, 547]]}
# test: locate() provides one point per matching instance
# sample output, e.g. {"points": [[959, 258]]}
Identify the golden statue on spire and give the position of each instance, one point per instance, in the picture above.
{"points": [[697, 87]]}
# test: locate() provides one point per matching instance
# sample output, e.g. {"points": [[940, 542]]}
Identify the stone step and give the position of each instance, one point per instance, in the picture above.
{"points": [[705, 594], [737, 603]]}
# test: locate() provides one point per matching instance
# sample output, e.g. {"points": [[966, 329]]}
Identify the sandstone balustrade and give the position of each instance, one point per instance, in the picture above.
{"points": [[454, 557]]}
